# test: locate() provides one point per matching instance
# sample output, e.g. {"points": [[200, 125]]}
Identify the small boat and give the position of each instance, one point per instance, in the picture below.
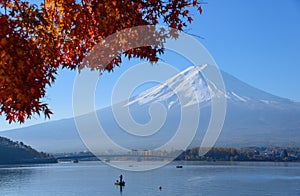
{"points": [[120, 183], [178, 166]]}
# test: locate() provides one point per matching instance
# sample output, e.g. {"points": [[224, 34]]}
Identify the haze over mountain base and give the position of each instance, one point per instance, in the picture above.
{"points": [[253, 118]]}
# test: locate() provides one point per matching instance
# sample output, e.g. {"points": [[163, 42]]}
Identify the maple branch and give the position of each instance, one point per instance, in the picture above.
{"points": [[37, 41]]}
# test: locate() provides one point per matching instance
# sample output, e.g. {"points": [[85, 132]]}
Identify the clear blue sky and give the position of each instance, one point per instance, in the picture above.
{"points": [[256, 41]]}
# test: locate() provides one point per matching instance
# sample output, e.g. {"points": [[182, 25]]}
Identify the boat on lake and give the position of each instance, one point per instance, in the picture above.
{"points": [[117, 183]]}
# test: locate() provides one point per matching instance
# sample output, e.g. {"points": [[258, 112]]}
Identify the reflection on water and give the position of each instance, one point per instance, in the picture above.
{"points": [[94, 178], [11, 177]]}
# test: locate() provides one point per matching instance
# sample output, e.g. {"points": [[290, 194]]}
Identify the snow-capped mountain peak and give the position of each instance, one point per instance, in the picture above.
{"points": [[188, 87]]}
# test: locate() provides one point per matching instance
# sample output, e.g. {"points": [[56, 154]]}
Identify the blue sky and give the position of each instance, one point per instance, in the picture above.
{"points": [[256, 41]]}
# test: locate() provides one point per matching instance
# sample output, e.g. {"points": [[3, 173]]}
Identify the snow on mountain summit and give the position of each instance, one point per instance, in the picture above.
{"points": [[190, 87]]}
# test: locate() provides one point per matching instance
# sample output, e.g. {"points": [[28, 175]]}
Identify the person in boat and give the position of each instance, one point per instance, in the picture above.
{"points": [[121, 182]]}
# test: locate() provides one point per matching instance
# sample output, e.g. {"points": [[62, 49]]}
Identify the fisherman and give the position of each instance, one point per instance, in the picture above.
{"points": [[121, 179]]}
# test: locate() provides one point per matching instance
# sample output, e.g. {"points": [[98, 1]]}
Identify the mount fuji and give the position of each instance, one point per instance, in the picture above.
{"points": [[253, 117]]}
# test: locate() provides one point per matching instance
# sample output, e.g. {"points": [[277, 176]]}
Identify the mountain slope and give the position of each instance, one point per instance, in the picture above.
{"points": [[17, 152], [253, 117]]}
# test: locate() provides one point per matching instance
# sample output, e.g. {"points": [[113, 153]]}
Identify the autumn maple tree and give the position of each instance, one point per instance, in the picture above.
{"points": [[37, 40]]}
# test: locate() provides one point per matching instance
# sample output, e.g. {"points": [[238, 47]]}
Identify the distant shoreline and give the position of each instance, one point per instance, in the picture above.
{"points": [[216, 154], [258, 154]]}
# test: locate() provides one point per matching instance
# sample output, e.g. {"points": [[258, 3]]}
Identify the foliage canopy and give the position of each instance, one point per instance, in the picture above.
{"points": [[37, 40]]}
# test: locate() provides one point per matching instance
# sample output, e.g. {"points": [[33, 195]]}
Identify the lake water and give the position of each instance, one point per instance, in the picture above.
{"points": [[95, 178]]}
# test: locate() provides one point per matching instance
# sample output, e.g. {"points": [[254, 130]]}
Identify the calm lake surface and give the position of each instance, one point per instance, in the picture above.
{"points": [[96, 178]]}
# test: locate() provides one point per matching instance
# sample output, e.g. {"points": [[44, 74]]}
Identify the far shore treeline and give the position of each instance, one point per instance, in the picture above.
{"points": [[243, 154]]}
